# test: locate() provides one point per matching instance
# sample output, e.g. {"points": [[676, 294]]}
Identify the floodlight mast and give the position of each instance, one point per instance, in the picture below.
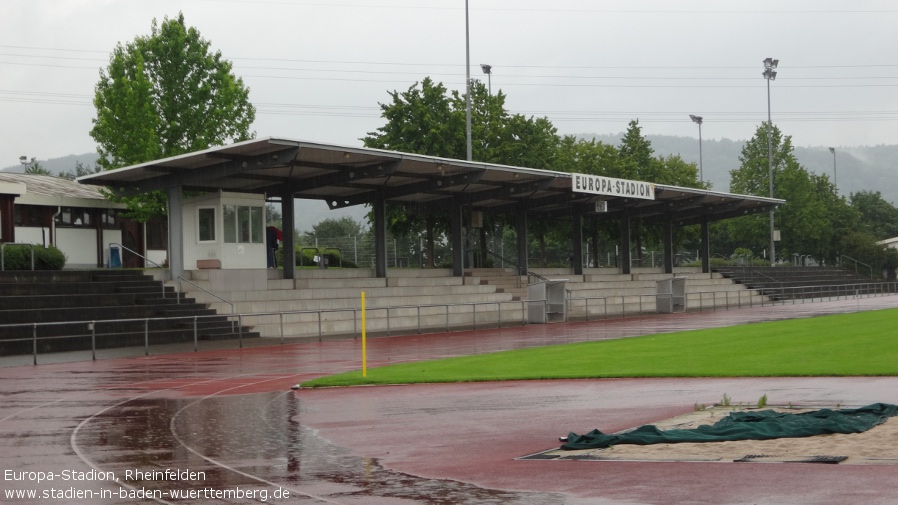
{"points": [[698, 120], [770, 74]]}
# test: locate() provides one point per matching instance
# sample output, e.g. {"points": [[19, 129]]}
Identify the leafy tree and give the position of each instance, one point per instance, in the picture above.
{"points": [[163, 95], [813, 216], [427, 119], [35, 168], [878, 217], [420, 121], [334, 228], [78, 171]]}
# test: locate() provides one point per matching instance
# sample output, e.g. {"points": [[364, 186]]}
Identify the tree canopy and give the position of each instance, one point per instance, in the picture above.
{"points": [[163, 95]]}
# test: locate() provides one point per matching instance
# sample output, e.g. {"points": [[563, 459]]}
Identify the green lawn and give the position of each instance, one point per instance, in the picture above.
{"points": [[864, 343]]}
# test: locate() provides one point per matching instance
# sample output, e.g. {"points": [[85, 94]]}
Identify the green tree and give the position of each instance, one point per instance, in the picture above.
{"points": [[878, 217], [163, 95], [334, 228], [427, 119], [78, 171], [34, 167], [813, 216]]}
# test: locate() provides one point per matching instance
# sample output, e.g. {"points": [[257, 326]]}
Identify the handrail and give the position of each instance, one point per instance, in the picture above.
{"points": [[132, 251], [858, 290], [3, 255], [856, 262], [188, 281]]}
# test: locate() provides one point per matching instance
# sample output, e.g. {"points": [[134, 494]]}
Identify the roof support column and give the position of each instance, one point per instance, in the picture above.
{"points": [[521, 229], [175, 232], [577, 242], [458, 253], [704, 251], [380, 236], [7, 223], [667, 240], [288, 224], [624, 248]]}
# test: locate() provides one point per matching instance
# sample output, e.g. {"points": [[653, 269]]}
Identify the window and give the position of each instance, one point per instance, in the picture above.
{"points": [[243, 224], [229, 215], [74, 217], [206, 224]]}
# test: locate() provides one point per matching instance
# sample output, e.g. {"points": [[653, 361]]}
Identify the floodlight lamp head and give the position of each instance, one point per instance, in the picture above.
{"points": [[695, 119], [770, 63], [23, 159], [832, 150], [487, 69], [769, 74]]}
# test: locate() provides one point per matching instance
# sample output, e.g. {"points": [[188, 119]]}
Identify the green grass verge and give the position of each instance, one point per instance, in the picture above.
{"points": [[857, 344]]}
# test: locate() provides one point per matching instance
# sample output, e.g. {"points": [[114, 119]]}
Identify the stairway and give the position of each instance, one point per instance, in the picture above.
{"points": [[505, 280], [67, 309], [789, 283]]}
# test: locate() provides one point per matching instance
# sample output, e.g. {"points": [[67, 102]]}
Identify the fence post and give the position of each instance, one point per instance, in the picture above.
{"points": [[34, 345], [240, 329], [146, 337], [93, 340], [195, 345], [281, 317]]}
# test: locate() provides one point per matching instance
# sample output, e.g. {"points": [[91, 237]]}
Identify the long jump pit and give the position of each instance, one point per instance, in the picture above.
{"points": [[876, 446]]}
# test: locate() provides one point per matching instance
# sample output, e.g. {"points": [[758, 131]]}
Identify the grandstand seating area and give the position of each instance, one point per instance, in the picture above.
{"points": [[67, 309], [323, 303], [791, 283], [326, 303]]}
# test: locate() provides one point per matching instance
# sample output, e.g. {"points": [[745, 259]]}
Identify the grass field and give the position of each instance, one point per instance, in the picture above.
{"points": [[863, 343]]}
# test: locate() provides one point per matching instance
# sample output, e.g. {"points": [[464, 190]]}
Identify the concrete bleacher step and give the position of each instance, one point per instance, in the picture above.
{"points": [[119, 307]]}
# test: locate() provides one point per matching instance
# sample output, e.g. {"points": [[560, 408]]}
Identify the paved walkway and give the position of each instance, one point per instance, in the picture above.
{"points": [[223, 427]]}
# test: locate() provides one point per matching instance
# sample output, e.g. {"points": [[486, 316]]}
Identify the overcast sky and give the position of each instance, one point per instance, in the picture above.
{"points": [[317, 69]]}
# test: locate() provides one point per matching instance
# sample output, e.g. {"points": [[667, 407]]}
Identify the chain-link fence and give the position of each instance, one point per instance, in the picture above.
{"points": [[500, 251]]}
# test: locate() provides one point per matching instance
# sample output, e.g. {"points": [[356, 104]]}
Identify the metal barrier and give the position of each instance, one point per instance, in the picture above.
{"points": [[696, 301], [188, 281]]}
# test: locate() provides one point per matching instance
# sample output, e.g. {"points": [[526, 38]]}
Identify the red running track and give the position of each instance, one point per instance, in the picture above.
{"points": [[227, 421]]}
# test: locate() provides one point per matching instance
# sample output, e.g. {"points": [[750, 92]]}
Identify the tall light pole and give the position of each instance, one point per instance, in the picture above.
{"points": [[698, 120], [488, 70], [770, 74], [468, 84], [835, 177]]}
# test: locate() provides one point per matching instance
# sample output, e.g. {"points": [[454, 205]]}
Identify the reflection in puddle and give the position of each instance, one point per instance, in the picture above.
{"points": [[256, 442]]}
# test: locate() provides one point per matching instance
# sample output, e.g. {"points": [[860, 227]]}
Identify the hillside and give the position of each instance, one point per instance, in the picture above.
{"points": [[861, 168]]}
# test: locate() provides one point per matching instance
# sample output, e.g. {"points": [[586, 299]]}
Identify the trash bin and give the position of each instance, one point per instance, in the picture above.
{"points": [[115, 258], [549, 301], [671, 296]]}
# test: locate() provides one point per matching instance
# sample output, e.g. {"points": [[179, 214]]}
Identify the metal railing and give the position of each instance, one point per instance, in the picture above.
{"points": [[421, 318], [3, 254], [857, 264], [157, 265], [188, 281]]}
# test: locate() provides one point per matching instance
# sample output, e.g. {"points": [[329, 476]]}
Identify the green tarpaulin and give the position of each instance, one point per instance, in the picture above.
{"points": [[760, 425]]}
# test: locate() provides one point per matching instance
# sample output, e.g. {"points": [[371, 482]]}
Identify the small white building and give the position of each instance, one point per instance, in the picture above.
{"points": [[224, 231], [890, 242], [76, 218]]}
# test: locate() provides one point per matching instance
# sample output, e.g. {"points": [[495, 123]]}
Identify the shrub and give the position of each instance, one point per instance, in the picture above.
{"points": [[18, 257]]}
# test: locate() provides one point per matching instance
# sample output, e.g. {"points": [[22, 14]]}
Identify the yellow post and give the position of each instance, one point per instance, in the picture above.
{"points": [[364, 340]]}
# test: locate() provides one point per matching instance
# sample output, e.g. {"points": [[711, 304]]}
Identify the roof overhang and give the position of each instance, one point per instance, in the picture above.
{"points": [[346, 176]]}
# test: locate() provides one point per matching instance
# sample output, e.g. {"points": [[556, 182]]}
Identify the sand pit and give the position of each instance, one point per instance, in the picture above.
{"points": [[877, 446]]}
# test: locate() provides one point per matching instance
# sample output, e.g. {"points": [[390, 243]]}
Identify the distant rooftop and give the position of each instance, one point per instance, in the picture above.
{"points": [[50, 190]]}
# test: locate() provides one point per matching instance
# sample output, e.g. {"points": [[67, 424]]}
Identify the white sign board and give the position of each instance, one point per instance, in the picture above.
{"points": [[601, 185]]}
